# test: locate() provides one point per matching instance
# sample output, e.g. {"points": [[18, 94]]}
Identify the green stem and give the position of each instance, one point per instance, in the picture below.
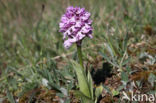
{"points": [[80, 55]]}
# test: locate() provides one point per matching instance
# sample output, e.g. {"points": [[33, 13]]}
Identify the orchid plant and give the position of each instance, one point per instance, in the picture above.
{"points": [[76, 25]]}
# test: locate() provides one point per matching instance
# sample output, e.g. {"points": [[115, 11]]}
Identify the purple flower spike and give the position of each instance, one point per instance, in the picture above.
{"points": [[75, 25]]}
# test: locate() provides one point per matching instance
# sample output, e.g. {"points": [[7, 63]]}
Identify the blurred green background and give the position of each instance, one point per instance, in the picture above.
{"points": [[29, 29]]}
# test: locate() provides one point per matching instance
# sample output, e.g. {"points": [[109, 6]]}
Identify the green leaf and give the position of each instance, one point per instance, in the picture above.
{"points": [[60, 95], [108, 59], [98, 91], [83, 97], [124, 77], [82, 79], [12, 83], [90, 83], [115, 92], [10, 97], [152, 79], [54, 86], [125, 42], [107, 89], [125, 61], [110, 50]]}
